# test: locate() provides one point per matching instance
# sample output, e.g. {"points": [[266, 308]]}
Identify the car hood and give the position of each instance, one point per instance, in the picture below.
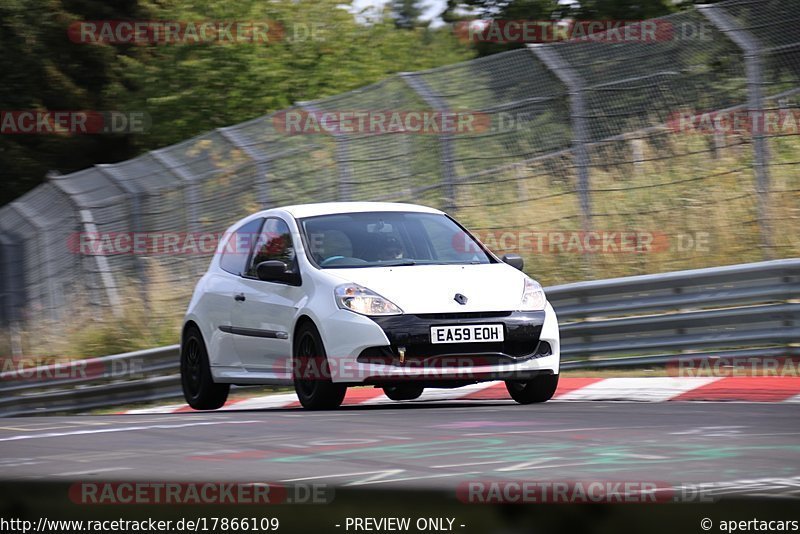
{"points": [[432, 288]]}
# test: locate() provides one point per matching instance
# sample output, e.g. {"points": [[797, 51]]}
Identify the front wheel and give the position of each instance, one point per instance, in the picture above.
{"points": [[199, 388], [403, 392], [539, 389], [312, 383]]}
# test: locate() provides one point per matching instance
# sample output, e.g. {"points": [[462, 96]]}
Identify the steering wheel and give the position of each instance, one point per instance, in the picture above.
{"points": [[327, 261]]}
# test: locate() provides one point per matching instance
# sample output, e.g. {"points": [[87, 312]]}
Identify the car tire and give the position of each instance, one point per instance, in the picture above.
{"points": [[539, 389], [316, 391], [199, 388], [403, 392]]}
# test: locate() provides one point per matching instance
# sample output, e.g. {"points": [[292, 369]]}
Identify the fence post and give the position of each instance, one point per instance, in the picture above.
{"points": [[13, 286], [90, 228], [342, 156], [260, 160], [28, 214], [191, 199], [753, 68], [134, 194], [580, 130], [418, 85], [190, 184]]}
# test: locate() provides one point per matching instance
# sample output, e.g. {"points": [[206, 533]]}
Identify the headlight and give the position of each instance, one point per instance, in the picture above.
{"points": [[361, 300], [532, 296]]}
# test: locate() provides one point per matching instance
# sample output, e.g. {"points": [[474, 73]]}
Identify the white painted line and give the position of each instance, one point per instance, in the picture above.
{"points": [[453, 394], [122, 429], [406, 479], [167, 408], [530, 464], [39, 427], [469, 464], [647, 389], [265, 401], [93, 471], [516, 468], [384, 472], [434, 394]]}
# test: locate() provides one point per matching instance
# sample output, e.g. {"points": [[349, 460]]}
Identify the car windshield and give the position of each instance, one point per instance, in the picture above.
{"points": [[381, 239]]}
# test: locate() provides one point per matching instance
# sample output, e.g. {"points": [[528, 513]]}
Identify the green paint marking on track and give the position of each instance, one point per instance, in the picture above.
{"points": [[425, 449]]}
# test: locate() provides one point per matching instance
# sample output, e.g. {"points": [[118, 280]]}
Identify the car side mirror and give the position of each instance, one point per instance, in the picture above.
{"points": [[272, 271], [514, 260]]}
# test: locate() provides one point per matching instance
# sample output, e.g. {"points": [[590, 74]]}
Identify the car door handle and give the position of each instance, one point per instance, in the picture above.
{"points": [[240, 297]]}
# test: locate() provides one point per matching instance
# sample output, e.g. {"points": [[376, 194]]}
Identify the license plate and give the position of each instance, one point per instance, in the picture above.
{"points": [[473, 333]]}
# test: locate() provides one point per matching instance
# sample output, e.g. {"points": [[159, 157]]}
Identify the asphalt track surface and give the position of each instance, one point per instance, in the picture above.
{"points": [[743, 448]]}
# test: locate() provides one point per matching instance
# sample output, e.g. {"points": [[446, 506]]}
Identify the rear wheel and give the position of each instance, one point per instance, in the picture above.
{"points": [[199, 388], [312, 381], [403, 392], [539, 389]]}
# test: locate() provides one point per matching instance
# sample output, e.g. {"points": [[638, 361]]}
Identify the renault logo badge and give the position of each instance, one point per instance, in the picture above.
{"points": [[461, 299]]}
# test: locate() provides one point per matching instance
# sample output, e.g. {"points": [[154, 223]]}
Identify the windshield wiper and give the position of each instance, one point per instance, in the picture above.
{"points": [[398, 263]]}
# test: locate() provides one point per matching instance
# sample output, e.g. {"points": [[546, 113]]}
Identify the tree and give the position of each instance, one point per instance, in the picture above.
{"points": [[44, 70], [405, 13], [319, 49], [323, 51], [536, 10]]}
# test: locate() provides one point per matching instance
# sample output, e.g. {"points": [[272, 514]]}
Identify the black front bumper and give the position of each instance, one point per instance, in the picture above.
{"points": [[409, 334]]}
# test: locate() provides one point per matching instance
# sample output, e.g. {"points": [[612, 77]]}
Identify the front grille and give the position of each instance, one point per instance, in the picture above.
{"points": [[521, 335], [512, 348], [480, 351], [464, 315]]}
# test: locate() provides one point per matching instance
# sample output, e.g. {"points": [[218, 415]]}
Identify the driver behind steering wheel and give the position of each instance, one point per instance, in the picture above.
{"points": [[390, 249]]}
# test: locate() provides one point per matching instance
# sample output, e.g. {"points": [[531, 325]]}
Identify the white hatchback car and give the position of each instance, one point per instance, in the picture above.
{"points": [[397, 296]]}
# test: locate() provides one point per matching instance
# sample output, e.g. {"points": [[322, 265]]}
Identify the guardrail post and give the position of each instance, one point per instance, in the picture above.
{"points": [[189, 183], [449, 178], [26, 213], [13, 286], [90, 228], [342, 156], [190, 191], [260, 160], [751, 48], [136, 226], [580, 131]]}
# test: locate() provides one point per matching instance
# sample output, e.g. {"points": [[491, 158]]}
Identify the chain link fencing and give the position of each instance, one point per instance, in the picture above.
{"points": [[584, 142]]}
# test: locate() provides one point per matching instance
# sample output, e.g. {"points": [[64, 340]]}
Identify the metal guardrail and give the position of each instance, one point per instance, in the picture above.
{"points": [[93, 383], [739, 311], [653, 319]]}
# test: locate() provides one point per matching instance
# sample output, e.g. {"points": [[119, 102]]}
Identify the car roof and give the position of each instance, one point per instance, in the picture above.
{"points": [[330, 208]]}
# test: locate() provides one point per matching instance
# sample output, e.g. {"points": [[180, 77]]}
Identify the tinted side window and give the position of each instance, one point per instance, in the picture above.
{"points": [[274, 243], [237, 249]]}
